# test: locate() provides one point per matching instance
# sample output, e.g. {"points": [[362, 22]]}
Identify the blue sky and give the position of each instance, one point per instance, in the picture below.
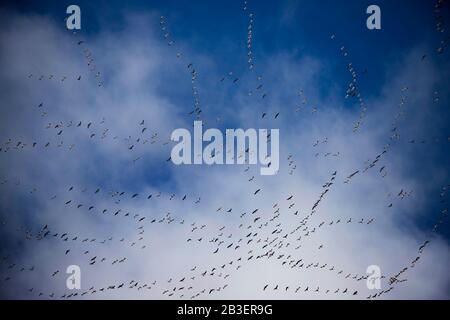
{"points": [[143, 79], [405, 23]]}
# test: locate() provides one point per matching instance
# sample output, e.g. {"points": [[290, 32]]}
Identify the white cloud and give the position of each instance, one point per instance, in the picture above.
{"points": [[135, 66]]}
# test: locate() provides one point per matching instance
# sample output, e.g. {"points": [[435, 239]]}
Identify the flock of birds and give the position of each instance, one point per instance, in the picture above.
{"points": [[257, 235]]}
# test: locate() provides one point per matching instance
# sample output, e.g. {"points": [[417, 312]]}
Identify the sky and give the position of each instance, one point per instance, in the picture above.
{"points": [[85, 171]]}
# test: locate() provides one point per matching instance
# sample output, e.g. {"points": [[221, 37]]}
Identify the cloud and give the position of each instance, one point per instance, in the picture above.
{"points": [[142, 79]]}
